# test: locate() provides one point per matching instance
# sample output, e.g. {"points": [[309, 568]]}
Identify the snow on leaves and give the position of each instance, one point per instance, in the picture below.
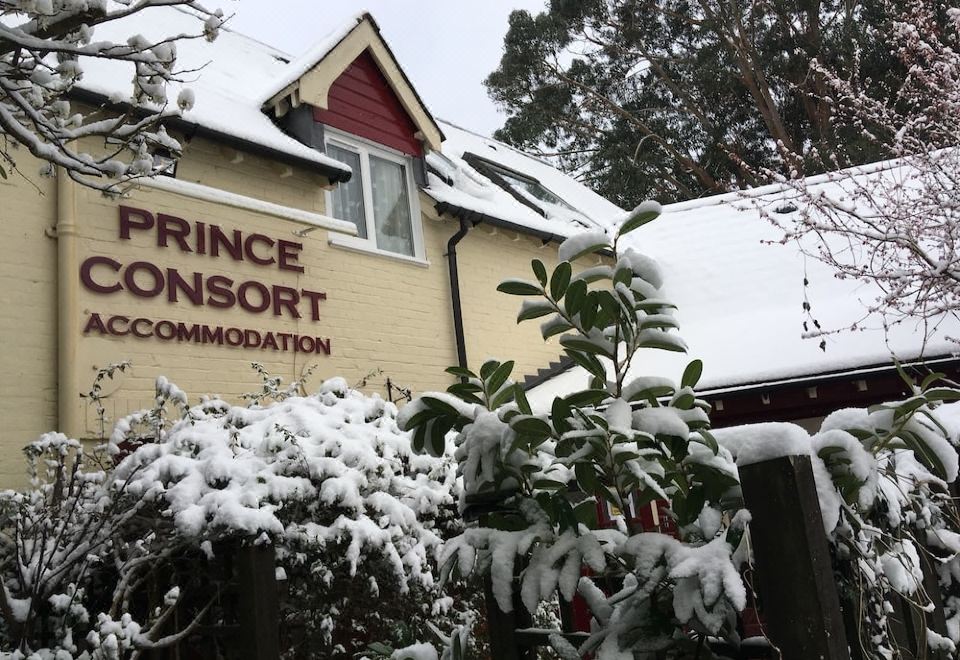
{"points": [[535, 481]]}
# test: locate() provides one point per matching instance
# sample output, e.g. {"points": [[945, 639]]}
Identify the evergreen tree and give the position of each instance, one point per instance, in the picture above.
{"points": [[675, 99]]}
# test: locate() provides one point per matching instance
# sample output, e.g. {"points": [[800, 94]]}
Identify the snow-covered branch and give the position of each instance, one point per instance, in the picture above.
{"points": [[895, 224], [44, 47]]}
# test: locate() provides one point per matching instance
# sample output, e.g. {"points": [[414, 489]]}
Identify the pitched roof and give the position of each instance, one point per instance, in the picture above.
{"points": [[740, 295], [230, 77], [457, 184]]}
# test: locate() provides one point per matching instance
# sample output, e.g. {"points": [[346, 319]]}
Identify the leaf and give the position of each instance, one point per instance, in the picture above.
{"points": [[519, 288], [691, 375], [584, 345], [549, 484], [709, 441], [559, 414], [590, 397], [587, 478], [530, 426], [586, 513], [588, 362], [576, 295], [924, 453], [505, 396], [540, 271], [436, 443], [588, 311], [640, 216], [555, 328], [521, 398], [931, 379], [942, 394], [499, 377], [560, 280], [535, 310], [487, 369], [460, 372]]}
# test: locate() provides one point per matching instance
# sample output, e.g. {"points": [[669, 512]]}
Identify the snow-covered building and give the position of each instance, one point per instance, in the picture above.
{"points": [[321, 215]]}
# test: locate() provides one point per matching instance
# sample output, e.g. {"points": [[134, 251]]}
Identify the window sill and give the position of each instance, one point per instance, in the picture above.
{"points": [[363, 246]]}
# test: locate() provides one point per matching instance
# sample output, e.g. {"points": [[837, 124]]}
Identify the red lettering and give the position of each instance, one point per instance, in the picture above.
{"points": [[285, 337], [285, 297], [314, 297], [127, 215], [87, 278], [176, 282], [288, 252], [269, 341], [251, 339], [251, 255], [234, 336], [218, 239], [112, 325], [245, 300], [212, 335], [135, 327], [305, 344], [183, 334], [130, 279], [165, 330], [95, 323], [201, 238], [324, 345], [178, 228], [219, 285]]}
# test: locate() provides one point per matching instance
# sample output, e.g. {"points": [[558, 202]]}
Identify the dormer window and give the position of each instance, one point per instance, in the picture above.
{"points": [[379, 198]]}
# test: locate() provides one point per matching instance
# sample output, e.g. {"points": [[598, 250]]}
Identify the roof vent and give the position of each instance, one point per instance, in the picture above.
{"points": [[787, 207]]}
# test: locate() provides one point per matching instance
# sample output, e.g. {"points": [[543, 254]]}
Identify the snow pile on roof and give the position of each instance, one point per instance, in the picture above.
{"points": [[740, 298], [303, 63], [230, 76], [327, 470], [467, 188]]}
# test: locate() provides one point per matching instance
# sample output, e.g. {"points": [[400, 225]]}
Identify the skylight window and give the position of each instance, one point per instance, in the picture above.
{"points": [[527, 190], [529, 185]]}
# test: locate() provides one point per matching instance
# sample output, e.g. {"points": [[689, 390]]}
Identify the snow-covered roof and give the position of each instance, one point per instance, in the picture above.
{"points": [[740, 301], [454, 182], [231, 77]]}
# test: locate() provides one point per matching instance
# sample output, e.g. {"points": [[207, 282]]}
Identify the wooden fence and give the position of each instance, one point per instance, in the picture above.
{"points": [[799, 602]]}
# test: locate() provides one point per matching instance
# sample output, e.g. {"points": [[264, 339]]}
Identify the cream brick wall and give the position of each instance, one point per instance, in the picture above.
{"points": [[381, 314], [28, 316]]}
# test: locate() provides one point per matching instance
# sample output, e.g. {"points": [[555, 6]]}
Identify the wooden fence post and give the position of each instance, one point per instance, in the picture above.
{"points": [[794, 574], [505, 644], [258, 603]]}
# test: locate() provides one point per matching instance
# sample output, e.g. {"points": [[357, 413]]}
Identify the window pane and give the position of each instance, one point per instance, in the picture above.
{"points": [[348, 197], [391, 206]]}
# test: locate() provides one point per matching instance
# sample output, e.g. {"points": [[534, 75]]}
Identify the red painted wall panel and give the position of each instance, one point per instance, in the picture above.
{"points": [[362, 103]]}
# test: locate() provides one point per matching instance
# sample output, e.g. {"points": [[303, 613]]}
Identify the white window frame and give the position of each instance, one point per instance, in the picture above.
{"points": [[365, 149]]}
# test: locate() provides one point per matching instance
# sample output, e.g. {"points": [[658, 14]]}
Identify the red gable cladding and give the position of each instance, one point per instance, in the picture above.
{"points": [[362, 103]]}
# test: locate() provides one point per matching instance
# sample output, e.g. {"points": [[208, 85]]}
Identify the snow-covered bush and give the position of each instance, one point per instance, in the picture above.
{"points": [[625, 442], [883, 478], [329, 480]]}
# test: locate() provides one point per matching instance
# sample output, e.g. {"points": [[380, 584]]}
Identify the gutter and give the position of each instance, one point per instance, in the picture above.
{"points": [[464, 214], [334, 174], [455, 292]]}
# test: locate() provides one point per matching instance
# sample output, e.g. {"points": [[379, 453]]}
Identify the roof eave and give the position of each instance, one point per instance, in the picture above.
{"points": [[333, 174]]}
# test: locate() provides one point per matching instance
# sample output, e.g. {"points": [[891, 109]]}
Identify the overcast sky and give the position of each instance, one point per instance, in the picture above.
{"points": [[446, 47]]}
